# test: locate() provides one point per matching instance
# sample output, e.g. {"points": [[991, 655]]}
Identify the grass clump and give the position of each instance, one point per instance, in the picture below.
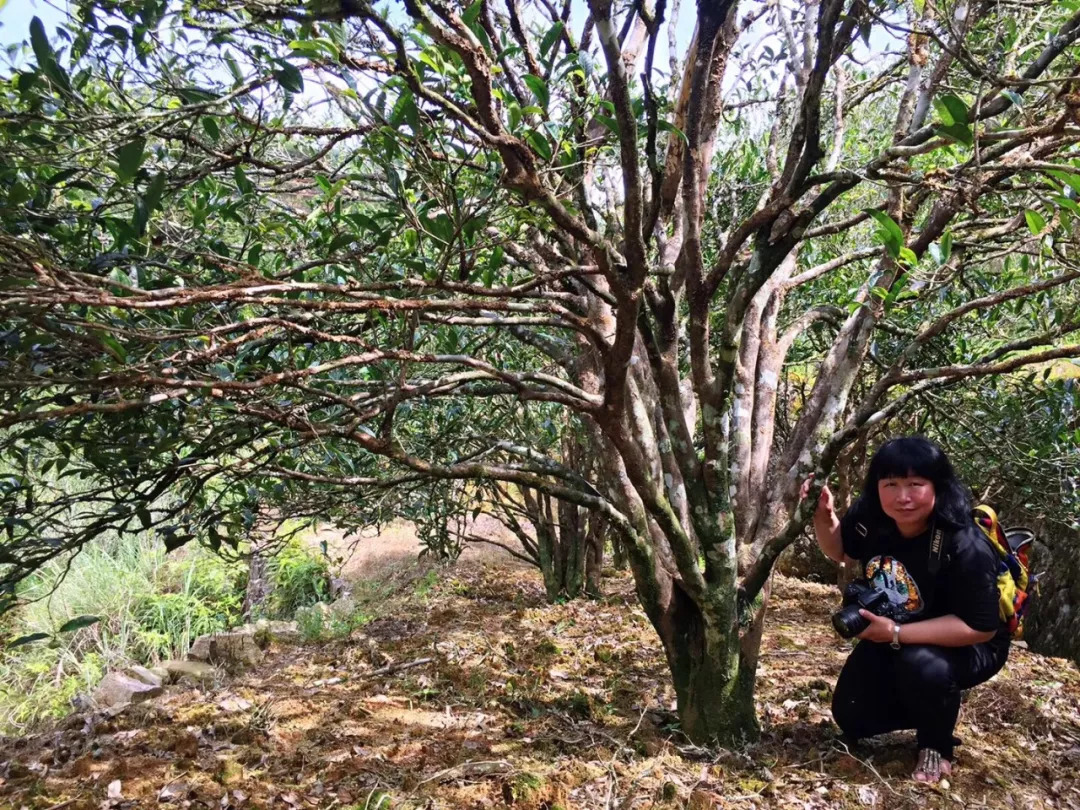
{"points": [[150, 607], [300, 578], [327, 623]]}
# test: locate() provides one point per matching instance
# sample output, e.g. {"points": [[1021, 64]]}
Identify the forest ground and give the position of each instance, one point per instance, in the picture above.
{"points": [[528, 705]]}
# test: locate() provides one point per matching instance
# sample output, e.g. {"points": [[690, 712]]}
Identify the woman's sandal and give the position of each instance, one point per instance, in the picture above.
{"points": [[931, 767]]}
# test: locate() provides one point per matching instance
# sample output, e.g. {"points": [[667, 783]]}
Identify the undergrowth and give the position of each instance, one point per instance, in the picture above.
{"points": [[300, 578], [150, 607]]}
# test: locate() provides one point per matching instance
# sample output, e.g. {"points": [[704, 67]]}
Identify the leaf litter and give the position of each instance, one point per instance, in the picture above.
{"points": [[478, 694]]}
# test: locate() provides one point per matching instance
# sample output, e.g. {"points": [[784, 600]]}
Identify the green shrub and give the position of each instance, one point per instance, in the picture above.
{"points": [[193, 594], [151, 606], [300, 578], [310, 623], [318, 623], [426, 584]]}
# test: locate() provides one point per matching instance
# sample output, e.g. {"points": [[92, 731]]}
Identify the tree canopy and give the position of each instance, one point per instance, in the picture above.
{"points": [[326, 258]]}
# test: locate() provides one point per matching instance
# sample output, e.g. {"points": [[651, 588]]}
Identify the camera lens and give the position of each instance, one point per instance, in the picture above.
{"points": [[848, 622]]}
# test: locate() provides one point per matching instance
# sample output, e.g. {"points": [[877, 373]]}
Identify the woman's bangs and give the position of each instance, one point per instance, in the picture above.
{"points": [[901, 458]]}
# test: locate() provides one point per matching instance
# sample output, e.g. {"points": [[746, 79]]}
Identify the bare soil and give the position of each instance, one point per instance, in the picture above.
{"points": [[528, 705], [366, 556]]}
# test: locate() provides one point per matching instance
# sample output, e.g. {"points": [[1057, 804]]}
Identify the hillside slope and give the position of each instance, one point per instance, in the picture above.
{"points": [[534, 706]]}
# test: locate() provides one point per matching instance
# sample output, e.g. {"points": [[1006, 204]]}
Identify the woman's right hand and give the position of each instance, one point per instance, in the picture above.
{"points": [[825, 504]]}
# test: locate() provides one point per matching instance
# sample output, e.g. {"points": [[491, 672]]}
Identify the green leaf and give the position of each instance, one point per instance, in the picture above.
{"points": [[472, 13], [888, 232], [908, 257], [539, 143], [431, 58], [22, 640], [234, 68], [946, 246], [154, 191], [129, 158], [957, 109], [18, 194], [140, 217], [78, 623], [114, 347], [961, 133], [405, 110], [1066, 203], [46, 57], [1035, 222], [539, 89], [943, 112], [1014, 97], [494, 263], [61, 176], [173, 539], [551, 37], [196, 95], [210, 127], [1066, 179], [608, 122], [289, 77], [667, 126], [340, 241], [315, 48], [242, 182], [145, 518]]}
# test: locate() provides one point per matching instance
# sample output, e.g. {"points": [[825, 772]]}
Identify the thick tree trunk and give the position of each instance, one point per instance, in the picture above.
{"points": [[594, 555], [561, 545], [547, 543], [258, 586], [714, 681], [618, 554], [572, 541]]}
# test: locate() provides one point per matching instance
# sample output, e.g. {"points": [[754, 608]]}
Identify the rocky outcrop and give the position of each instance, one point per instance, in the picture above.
{"points": [[197, 672], [147, 676], [1052, 626], [268, 632], [233, 650], [118, 690]]}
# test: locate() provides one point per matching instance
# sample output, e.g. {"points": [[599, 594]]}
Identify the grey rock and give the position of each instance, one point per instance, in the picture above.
{"points": [[200, 650], [118, 690], [162, 673], [197, 671], [284, 632], [236, 648], [145, 675]]}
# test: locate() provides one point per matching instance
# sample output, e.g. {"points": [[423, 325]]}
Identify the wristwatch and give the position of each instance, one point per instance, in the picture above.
{"points": [[895, 643]]}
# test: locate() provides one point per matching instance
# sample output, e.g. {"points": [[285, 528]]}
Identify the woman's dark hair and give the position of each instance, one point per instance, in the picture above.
{"points": [[914, 455]]}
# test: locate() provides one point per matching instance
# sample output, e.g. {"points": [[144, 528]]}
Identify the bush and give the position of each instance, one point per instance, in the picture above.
{"points": [[151, 606], [300, 578]]}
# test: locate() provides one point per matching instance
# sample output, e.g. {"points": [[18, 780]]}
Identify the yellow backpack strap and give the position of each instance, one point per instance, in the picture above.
{"points": [[988, 521]]}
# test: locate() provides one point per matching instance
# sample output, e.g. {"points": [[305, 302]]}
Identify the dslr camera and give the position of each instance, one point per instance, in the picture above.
{"points": [[880, 596]]}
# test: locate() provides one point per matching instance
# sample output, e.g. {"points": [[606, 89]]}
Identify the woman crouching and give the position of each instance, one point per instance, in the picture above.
{"points": [[913, 536]]}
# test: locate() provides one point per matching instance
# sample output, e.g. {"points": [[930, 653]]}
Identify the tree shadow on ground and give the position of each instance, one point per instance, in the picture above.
{"points": [[525, 704]]}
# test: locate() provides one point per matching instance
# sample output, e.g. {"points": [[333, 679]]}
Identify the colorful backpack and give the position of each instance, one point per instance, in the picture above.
{"points": [[1012, 547]]}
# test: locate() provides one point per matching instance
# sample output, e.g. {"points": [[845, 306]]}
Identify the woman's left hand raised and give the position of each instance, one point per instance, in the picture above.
{"points": [[880, 628]]}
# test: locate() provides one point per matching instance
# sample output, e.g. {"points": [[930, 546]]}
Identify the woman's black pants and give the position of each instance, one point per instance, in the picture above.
{"points": [[918, 686]]}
